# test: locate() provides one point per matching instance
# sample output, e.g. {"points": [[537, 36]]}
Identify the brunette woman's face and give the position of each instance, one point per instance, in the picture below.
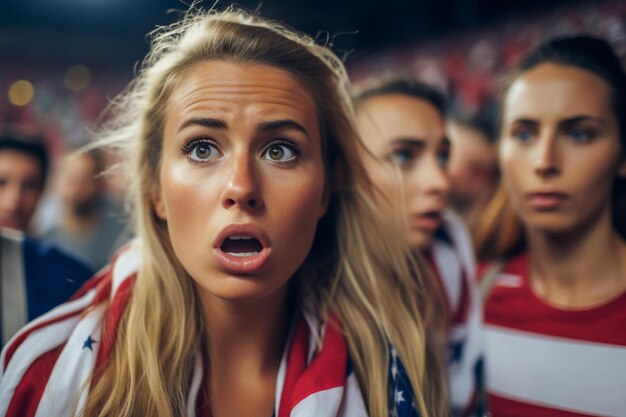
{"points": [[407, 137], [241, 178], [560, 148]]}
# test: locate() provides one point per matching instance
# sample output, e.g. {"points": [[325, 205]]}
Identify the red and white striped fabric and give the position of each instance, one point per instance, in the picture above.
{"points": [[452, 257], [546, 361], [45, 365]]}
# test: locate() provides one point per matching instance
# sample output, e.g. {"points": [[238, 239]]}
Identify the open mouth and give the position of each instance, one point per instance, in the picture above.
{"points": [[434, 215], [241, 246]]}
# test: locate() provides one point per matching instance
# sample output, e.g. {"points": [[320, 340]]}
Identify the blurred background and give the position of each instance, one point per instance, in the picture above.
{"points": [[61, 61]]}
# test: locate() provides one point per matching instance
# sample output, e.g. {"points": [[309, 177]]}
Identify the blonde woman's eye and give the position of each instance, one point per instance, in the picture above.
{"points": [[401, 157], [201, 151], [283, 151]]}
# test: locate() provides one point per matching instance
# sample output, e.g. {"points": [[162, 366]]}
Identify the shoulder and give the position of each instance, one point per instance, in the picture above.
{"points": [[53, 258], [51, 358], [44, 351]]}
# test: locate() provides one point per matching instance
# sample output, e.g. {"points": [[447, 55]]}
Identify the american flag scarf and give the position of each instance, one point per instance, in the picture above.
{"points": [[45, 365], [453, 256]]}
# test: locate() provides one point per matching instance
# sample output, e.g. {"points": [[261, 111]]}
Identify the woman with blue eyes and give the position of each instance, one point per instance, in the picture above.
{"points": [[556, 312], [253, 289], [402, 123]]}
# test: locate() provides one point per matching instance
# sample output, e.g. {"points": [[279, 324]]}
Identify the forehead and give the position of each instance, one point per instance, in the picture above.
{"points": [[392, 116], [557, 91], [19, 162], [236, 89]]}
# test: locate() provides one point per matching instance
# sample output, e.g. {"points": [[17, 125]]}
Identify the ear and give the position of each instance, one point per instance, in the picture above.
{"points": [[158, 204], [324, 202]]}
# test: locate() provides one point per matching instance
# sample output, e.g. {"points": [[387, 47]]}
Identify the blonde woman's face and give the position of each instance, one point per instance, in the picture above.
{"points": [[407, 139], [560, 148], [241, 179]]}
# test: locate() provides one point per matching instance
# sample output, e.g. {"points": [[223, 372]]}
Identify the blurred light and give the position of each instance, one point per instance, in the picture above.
{"points": [[77, 77], [21, 93]]}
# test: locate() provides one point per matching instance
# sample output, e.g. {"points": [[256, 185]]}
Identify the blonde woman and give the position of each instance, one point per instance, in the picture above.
{"points": [[255, 286], [402, 123]]}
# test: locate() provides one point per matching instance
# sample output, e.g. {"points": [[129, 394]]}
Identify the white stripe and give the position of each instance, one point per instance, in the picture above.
{"points": [[352, 403], [345, 401], [450, 272], [462, 375], [73, 368], [196, 382], [321, 403], [127, 264], [462, 243], [36, 344], [556, 372]]}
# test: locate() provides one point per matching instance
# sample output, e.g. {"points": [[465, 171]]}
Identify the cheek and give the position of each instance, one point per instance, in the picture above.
{"points": [[186, 199]]}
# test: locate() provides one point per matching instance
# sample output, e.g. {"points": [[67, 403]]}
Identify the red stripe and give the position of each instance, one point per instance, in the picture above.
{"points": [[327, 370], [91, 283], [503, 407], [109, 333], [28, 392]]}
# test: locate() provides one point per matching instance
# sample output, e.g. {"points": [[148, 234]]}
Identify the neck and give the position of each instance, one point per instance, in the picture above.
{"points": [[581, 268], [245, 337]]}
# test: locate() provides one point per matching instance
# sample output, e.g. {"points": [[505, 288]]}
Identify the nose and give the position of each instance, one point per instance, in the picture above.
{"points": [[438, 180], [432, 179], [546, 160], [242, 188]]}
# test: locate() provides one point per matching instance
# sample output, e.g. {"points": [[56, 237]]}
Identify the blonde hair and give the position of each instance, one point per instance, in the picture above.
{"points": [[356, 270]]}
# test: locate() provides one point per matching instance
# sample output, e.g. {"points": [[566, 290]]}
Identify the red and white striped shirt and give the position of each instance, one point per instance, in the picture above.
{"points": [[546, 361]]}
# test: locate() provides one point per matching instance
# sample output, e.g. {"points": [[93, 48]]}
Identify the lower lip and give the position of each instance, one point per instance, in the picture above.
{"points": [[546, 202], [426, 222], [242, 264]]}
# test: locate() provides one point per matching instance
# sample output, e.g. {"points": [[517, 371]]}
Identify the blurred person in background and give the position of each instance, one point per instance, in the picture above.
{"points": [[555, 307], [34, 276], [91, 224], [402, 123], [23, 172], [473, 165]]}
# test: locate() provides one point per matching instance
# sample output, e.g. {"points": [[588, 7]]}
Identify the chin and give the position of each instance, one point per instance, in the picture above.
{"points": [[420, 241], [243, 289]]}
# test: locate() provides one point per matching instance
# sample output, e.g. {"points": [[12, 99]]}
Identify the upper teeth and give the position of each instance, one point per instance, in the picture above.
{"points": [[239, 237]]}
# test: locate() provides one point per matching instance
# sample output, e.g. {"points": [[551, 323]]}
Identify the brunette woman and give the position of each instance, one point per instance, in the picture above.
{"points": [[556, 312]]}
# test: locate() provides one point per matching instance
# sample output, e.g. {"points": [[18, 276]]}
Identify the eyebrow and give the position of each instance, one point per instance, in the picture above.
{"points": [[262, 127], [416, 142], [282, 123], [204, 121], [569, 121], [583, 118]]}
